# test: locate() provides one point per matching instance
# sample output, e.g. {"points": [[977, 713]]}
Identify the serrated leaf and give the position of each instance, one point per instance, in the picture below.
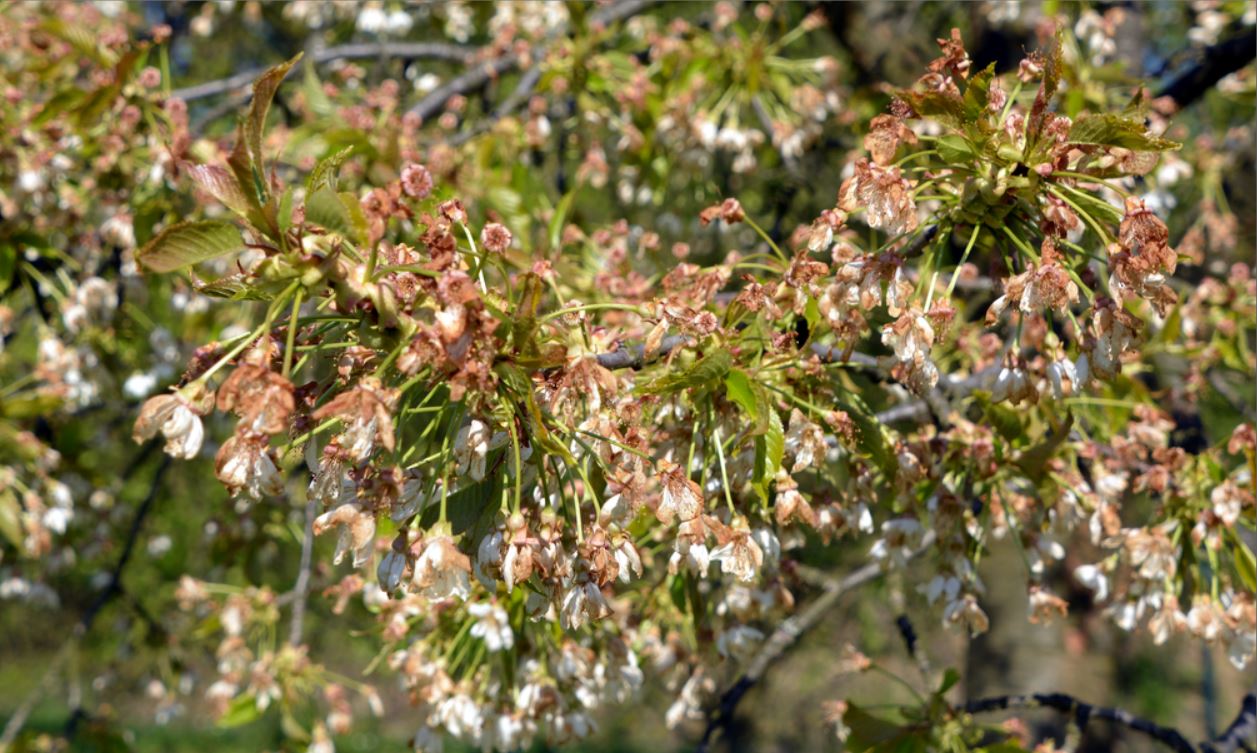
{"points": [[1115, 130], [869, 732], [188, 243], [978, 92], [325, 172], [945, 107], [953, 148], [1245, 561], [770, 449], [264, 89], [219, 183], [337, 212], [739, 390], [707, 371], [233, 287]]}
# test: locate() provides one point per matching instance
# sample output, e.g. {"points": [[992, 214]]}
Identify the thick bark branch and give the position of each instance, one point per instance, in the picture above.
{"points": [[1215, 63]]}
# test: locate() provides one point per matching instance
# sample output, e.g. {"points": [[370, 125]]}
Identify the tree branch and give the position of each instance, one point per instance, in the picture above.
{"points": [[1084, 712], [301, 589], [1242, 734], [403, 50], [478, 77], [787, 634], [1215, 63]]}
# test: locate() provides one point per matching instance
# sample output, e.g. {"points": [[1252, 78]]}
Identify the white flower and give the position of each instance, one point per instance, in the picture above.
{"points": [[738, 642], [174, 417], [442, 571], [1091, 577], [492, 626], [583, 603]]}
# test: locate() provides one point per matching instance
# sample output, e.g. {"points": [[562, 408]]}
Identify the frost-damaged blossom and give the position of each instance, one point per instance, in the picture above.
{"points": [[1142, 259], [366, 413], [911, 336], [682, 498], [884, 193], [495, 238], [245, 466], [416, 181], [441, 570], [177, 420], [357, 531], [1046, 286], [472, 446]]}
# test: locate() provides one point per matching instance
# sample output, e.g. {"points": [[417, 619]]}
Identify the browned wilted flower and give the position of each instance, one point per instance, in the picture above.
{"points": [[175, 417], [367, 413], [416, 181], [886, 133], [261, 398], [495, 237], [682, 496], [244, 465], [729, 210], [884, 193]]}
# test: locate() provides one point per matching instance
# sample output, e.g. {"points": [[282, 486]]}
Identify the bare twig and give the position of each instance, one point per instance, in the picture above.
{"points": [[302, 587], [787, 634], [1242, 734], [1215, 63], [113, 588], [1082, 713], [402, 50], [492, 69]]}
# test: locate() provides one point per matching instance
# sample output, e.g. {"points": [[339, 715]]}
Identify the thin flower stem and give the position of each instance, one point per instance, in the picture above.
{"points": [[724, 474], [594, 307], [292, 332], [767, 239], [262, 329], [955, 276]]}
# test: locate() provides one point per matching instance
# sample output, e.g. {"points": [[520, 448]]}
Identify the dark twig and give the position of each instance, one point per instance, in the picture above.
{"points": [[113, 588], [1214, 64], [1082, 713], [786, 635], [402, 50], [1241, 735], [492, 69]]}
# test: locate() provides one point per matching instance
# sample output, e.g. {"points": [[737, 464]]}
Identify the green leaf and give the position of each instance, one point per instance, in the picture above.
{"points": [[872, 439], [953, 147], [870, 732], [189, 243], [707, 371], [1115, 130], [324, 174], [1245, 561], [11, 519], [946, 108], [337, 212], [978, 93], [741, 392], [243, 709], [233, 287], [8, 262], [770, 448], [555, 231]]}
